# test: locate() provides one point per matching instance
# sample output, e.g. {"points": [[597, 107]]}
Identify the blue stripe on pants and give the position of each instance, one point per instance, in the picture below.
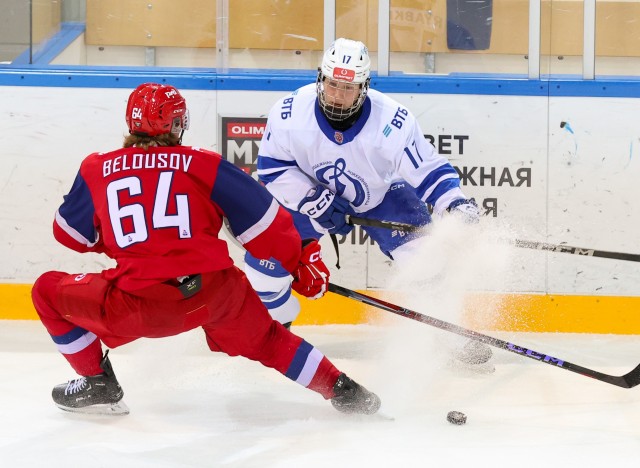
{"points": [[299, 360]]}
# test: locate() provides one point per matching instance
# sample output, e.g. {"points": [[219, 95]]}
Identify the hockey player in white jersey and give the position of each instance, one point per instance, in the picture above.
{"points": [[336, 148]]}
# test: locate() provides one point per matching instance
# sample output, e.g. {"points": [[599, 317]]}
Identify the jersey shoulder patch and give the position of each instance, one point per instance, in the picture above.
{"points": [[394, 119]]}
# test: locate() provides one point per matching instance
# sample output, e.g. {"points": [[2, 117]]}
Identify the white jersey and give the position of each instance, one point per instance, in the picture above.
{"points": [[300, 150]]}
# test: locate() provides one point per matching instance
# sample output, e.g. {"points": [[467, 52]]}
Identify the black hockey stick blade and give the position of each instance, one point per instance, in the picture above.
{"points": [[576, 250], [525, 244], [628, 380], [356, 220]]}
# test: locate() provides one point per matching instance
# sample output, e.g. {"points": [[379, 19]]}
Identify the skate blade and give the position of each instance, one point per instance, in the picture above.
{"points": [[481, 369], [113, 409]]}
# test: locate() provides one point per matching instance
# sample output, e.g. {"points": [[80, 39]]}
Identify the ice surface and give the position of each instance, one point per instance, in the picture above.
{"points": [[193, 408]]}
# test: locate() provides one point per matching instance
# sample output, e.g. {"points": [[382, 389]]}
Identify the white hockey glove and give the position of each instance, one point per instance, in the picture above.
{"points": [[467, 210]]}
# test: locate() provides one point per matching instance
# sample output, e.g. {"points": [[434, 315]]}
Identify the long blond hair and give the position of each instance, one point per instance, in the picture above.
{"points": [[166, 139]]}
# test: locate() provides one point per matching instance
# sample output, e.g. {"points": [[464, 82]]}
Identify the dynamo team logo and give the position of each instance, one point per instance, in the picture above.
{"points": [[337, 174]]}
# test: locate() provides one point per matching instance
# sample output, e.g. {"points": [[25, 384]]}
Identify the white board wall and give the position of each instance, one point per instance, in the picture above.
{"points": [[578, 183]]}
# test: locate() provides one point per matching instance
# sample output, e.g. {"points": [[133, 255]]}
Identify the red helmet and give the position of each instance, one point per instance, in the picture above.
{"points": [[154, 109]]}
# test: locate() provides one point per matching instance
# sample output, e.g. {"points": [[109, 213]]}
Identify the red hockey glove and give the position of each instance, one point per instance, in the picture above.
{"points": [[311, 276]]}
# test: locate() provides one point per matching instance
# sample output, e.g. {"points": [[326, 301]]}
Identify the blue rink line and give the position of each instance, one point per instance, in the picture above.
{"points": [[289, 80]]}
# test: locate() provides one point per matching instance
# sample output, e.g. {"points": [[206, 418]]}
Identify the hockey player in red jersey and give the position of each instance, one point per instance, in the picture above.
{"points": [[156, 207]]}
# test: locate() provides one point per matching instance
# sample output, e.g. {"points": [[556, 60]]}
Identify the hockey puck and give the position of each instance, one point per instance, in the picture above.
{"points": [[456, 417]]}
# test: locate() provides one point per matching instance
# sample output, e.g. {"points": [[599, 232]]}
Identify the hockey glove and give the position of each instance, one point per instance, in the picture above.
{"points": [[467, 210], [327, 209], [311, 276]]}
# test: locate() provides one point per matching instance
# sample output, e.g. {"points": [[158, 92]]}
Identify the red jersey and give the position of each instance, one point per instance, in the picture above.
{"points": [[158, 213]]}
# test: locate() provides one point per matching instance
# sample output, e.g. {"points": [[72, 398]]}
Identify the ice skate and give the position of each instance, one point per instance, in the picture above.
{"points": [[350, 397], [98, 394], [475, 357]]}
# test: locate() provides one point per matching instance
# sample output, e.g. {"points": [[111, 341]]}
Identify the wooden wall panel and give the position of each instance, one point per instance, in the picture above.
{"points": [[416, 25], [46, 19], [277, 25], [151, 23], [618, 29]]}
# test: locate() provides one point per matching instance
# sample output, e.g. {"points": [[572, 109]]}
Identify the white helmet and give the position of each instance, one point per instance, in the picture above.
{"points": [[345, 63]]}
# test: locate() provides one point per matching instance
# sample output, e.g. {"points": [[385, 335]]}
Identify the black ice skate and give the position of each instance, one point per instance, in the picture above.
{"points": [[99, 394], [474, 356], [351, 397]]}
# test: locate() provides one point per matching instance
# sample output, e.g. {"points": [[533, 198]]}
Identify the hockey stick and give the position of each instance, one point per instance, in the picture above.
{"points": [[575, 250], [356, 220], [561, 248], [629, 380]]}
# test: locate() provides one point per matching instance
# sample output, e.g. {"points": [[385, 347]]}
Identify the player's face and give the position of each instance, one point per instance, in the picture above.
{"points": [[340, 94]]}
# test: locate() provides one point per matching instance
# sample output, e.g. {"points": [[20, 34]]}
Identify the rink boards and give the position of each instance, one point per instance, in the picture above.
{"points": [[544, 166], [515, 312]]}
